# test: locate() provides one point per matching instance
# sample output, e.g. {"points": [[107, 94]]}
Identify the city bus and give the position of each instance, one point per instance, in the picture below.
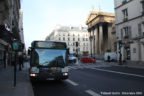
{"points": [[48, 60]]}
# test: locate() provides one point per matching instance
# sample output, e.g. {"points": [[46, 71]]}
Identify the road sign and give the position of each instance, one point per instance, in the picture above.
{"points": [[15, 45]]}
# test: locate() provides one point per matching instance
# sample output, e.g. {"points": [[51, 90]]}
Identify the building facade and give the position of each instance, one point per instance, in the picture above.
{"points": [[130, 29], [9, 29], [21, 30], [71, 35], [101, 28]]}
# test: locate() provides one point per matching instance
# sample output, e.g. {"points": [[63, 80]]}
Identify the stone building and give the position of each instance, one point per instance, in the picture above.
{"points": [[9, 29], [71, 35], [130, 29], [101, 29], [21, 31]]}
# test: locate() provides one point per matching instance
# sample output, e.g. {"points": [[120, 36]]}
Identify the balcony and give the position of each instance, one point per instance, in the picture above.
{"points": [[142, 13], [142, 1], [124, 1], [125, 19], [126, 36]]}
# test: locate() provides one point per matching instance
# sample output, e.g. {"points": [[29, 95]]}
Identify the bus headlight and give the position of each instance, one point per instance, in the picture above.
{"points": [[65, 74], [32, 75]]}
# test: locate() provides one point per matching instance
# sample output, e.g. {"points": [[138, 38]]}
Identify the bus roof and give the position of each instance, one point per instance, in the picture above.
{"points": [[49, 44]]}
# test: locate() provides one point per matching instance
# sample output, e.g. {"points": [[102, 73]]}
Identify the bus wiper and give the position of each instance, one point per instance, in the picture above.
{"points": [[39, 66]]}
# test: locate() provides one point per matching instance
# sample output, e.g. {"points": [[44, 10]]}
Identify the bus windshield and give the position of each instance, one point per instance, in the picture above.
{"points": [[48, 57]]}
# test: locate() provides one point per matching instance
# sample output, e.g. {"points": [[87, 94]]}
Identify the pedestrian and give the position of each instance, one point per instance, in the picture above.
{"points": [[20, 61], [120, 58], [108, 58]]}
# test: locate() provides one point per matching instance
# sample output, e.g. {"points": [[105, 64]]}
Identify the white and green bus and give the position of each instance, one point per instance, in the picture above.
{"points": [[48, 60]]}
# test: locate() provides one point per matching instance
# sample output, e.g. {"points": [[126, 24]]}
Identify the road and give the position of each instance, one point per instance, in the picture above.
{"points": [[100, 79]]}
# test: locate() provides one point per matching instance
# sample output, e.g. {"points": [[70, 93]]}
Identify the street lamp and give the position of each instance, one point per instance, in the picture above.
{"points": [[15, 47]]}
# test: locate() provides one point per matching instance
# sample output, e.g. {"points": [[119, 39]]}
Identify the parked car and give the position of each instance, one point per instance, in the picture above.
{"points": [[72, 58], [112, 56], [87, 60]]}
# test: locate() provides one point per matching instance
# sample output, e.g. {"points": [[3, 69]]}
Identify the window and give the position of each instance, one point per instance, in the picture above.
{"points": [[83, 48], [68, 39], [125, 14], [59, 38], [134, 50], [126, 31], [73, 44], [73, 49], [124, 1], [63, 38], [142, 27], [68, 34], [139, 29], [84, 44], [73, 39], [78, 39], [142, 8], [83, 39], [86, 39]]}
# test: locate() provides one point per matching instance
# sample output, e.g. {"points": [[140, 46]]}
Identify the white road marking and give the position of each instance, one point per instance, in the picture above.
{"points": [[71, 82], [99, 61], [92, 93], [89, 66], [136, 75]]}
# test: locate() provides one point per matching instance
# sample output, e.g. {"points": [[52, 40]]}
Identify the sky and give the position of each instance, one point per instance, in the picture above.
{"points": [[40, 17]]}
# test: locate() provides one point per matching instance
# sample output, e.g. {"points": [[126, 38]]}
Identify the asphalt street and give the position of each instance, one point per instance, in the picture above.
{"points": [[100, 79]]}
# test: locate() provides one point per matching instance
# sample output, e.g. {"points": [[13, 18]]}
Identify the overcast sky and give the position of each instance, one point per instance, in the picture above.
{"points": [[41, 16]]}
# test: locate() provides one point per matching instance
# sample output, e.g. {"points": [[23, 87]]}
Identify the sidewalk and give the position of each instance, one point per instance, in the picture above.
{"points": [[129, 64], [23, 85]]}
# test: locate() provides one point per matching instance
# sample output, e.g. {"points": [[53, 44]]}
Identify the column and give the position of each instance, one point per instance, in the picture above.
{"points": [[110, 42], [101, 39], [96, 40], [92, 40]]}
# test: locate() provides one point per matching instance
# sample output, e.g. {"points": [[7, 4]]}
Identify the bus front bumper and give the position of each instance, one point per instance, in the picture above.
{"points": [[48, 76]]}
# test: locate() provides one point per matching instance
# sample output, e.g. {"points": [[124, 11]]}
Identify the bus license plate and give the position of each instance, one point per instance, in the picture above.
{"points": [[50, 79], [53, 69]]}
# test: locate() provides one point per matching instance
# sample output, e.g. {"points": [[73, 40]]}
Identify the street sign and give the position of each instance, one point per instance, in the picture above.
{"points": [[15, 45]]}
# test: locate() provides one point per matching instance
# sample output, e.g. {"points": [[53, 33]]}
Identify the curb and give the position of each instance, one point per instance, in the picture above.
{"points": [[130, 66]]}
